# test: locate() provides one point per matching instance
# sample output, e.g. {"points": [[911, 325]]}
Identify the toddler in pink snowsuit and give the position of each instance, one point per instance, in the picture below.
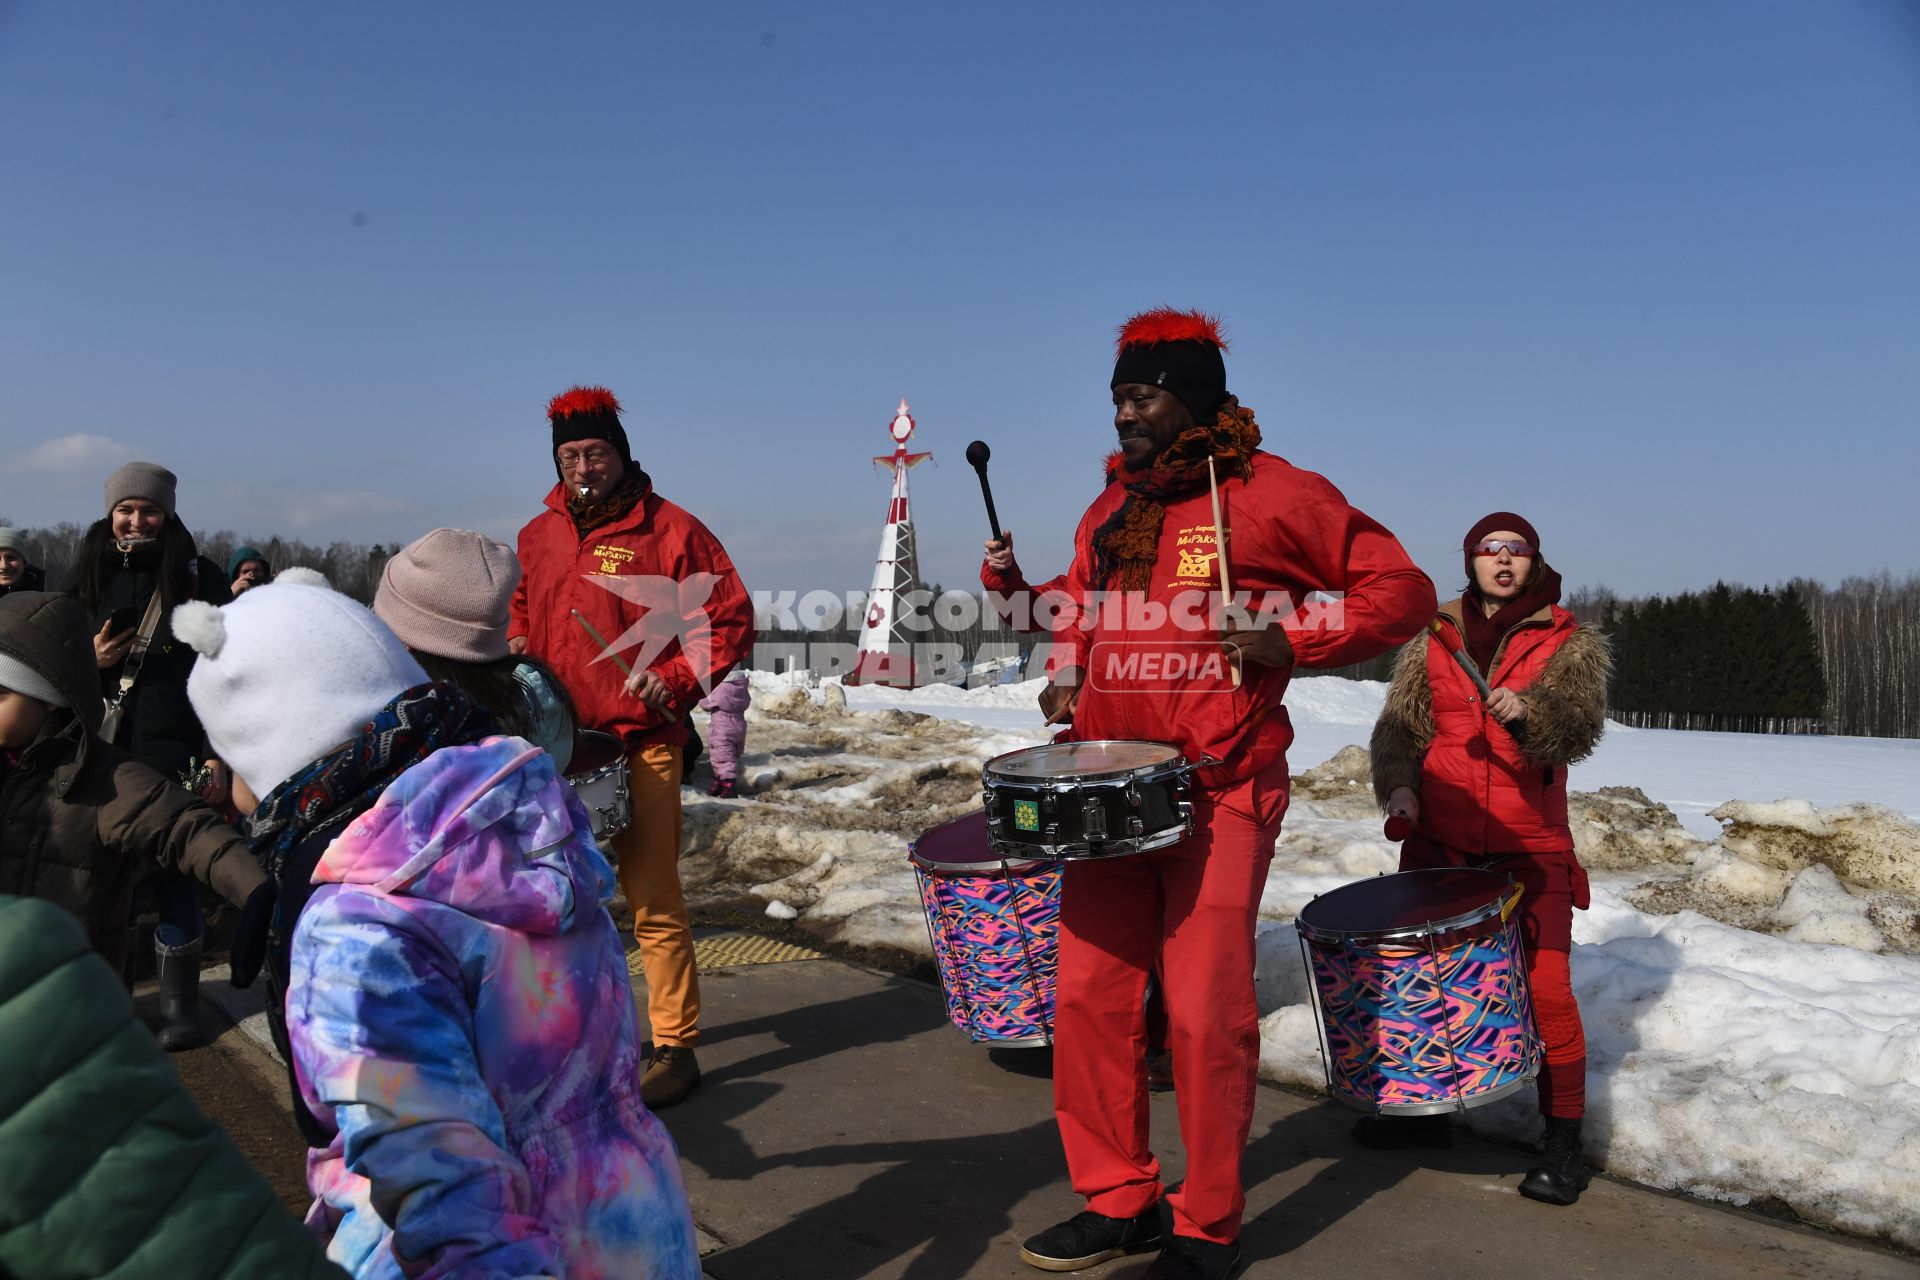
{"points": [[727, 731]]}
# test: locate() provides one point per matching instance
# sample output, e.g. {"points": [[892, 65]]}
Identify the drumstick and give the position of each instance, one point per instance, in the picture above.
{"points": [[1220, 558], [1219, 533], [977, 455], [602, 642], [1466, 665]]}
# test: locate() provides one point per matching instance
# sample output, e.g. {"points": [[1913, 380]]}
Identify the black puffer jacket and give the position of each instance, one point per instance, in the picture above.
{"points": [[79, 819], [159, 727]]}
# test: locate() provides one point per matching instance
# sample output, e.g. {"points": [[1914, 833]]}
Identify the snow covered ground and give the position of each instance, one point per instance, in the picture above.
{"points": [[1749, 981]]}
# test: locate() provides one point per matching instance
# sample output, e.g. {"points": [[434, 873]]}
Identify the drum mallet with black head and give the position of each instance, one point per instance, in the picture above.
{"points": [[977, 454]]}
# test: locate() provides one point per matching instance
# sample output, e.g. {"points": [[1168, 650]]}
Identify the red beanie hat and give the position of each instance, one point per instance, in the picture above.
{"points": [[1493, 524]]}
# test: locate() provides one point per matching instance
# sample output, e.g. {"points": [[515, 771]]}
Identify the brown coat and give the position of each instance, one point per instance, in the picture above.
{"points": [[80, 820]]}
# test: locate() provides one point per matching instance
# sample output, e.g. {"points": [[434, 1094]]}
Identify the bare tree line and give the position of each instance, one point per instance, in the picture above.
{"points": [[1868, 627], [1868, 630], [352, 568]]}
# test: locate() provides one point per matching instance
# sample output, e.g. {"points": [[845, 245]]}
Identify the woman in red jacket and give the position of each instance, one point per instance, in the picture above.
{"points": [[1484, 783]]}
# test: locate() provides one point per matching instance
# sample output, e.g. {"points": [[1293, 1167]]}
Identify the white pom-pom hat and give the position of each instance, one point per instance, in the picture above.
{"points": [[288, 672]]}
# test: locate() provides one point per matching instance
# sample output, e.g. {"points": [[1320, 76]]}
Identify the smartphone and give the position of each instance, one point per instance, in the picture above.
{"points": [[123, 620]]}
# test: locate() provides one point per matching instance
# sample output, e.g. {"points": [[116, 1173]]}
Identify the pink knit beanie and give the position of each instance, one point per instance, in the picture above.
{"points": [[449, 594]]}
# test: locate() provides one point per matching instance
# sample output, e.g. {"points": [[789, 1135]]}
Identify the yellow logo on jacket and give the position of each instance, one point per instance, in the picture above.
{"points": [[1198, 550], [612, 557]]}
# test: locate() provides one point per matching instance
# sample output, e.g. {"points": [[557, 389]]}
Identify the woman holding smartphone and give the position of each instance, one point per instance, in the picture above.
{"points": [[135, 565]]}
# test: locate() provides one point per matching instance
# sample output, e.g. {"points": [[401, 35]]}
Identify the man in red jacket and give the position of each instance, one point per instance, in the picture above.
{"points": [[1147, 652], [614, 575]]}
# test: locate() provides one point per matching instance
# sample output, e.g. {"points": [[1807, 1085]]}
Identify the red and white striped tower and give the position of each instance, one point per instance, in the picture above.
{"points": [[886, 645]]}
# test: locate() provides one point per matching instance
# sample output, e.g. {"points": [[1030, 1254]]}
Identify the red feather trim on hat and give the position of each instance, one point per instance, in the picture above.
{"points": [[1164, 324], [590, 400]]}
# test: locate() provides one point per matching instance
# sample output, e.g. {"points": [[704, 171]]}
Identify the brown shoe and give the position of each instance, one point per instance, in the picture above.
{"points": [[672, 1074]]}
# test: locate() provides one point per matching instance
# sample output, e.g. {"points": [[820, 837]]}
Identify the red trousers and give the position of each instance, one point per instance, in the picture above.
{"points": [[1190, 909], [1552, 885]]}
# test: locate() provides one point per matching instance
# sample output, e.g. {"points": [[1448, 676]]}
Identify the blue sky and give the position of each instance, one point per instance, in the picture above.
{"points": [[1645, 272]]}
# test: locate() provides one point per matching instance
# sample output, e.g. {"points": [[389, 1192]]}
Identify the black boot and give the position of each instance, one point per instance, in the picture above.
{"points": [[179, 995], [1562, 1174]]}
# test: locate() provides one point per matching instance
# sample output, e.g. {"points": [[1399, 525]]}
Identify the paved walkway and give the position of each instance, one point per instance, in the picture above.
{"points": [[843, 1130]]}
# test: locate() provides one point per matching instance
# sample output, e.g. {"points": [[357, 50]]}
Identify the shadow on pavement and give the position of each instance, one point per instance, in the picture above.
{"points": [[949, 1200]]}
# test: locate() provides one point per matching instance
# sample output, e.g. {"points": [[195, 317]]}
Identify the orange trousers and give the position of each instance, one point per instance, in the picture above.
{"points": [[648, 858]]}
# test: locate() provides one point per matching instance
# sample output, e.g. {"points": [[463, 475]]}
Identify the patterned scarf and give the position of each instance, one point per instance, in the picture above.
{"points": [[589, 514], [300, 817], [1127, 544]]}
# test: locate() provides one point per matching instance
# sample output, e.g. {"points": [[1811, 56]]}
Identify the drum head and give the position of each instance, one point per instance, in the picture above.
{"points": [[1068, 761], [1413, 902], [593, 751], [960, 848]]}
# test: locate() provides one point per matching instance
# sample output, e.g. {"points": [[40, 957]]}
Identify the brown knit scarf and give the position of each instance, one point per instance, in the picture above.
{"points": [[589, 515], [1127, 544]]}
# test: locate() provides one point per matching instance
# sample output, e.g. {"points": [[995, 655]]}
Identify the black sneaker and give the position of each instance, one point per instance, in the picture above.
{"points": [[1188, 1258], [1562, 1173], [1089, 1238], [1397, 1133]]}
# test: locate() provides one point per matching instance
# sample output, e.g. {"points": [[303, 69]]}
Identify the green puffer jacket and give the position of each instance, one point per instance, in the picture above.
{"points": [[108, 1167]]}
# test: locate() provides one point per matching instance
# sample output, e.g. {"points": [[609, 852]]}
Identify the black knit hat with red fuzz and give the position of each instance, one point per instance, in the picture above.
{"points": [[1179, 351], [588, 413]]}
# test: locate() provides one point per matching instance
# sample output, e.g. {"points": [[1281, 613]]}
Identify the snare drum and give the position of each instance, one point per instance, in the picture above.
{"points": [[1069, 800], [1421, 987], [598, 775], [994, 929]]}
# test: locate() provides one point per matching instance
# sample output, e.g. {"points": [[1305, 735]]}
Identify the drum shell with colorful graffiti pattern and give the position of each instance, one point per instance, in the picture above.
{"points": [[995, 933], [1422, 1016]]}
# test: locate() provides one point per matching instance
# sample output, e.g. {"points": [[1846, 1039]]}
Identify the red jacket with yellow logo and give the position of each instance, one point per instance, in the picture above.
{"points": [[660, 591], [1158, 673]]}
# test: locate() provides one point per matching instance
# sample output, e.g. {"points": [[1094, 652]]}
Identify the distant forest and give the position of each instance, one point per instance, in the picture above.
{"points": [[352, 568], [1798, 658]]}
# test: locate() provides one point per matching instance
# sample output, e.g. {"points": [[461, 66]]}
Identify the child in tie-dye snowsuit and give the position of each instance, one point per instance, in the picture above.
{"points": [[460, 1002], [465, 1046]]}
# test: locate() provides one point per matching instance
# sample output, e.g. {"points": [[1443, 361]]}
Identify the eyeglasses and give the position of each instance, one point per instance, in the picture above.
{"points": [[1512, 546], [568, 459]]}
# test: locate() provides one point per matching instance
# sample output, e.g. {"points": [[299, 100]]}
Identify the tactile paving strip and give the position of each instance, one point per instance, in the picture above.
{"points": [[725, 950]]}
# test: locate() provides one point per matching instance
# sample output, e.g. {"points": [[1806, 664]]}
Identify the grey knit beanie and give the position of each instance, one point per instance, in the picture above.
{"points": [[449, 595], [21, 678], [13, 540], [147, 480]]}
